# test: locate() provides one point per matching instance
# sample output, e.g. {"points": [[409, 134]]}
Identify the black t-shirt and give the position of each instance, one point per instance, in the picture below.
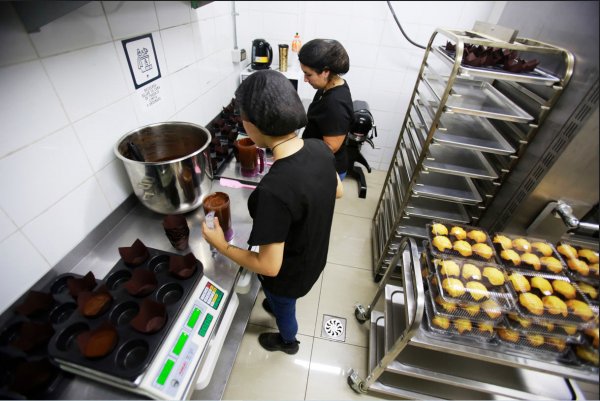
{"points": [[293, 203], [330, 114]]}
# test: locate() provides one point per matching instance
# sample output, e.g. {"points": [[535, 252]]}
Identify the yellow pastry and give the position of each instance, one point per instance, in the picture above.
{"points": [[587, 354], [470, 272], [532, 303], [441, 322], [580, 309], [450, 268], [547, 325], [557, 343], [477, 290], [542, 285], [535, 340], [569, 329], [486, 328], [508, 335], [511, 256], [463, 325], [454, 287], [531, 260], [491, 308], [542, 248], [439, 229], [594, 269], [555, 306], [591, 256], [472, 310], [494, 275], [505, 242], [593, 333], [564, 288], [441, 243], [552, 264], [521, 245], [447, 306], [458, 232], [519, 282], [525, 323], [462, 247], [477, 236], [588, 290], [578, 266], [567, 251], [483, 250]]}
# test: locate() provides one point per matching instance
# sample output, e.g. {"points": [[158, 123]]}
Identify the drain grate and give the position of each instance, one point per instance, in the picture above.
{"points": [[334, 328]]}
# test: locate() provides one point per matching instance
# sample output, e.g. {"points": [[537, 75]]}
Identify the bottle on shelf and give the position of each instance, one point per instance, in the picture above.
{"points": [[296, 45]]}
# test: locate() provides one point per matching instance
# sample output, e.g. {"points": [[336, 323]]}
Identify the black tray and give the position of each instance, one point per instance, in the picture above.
{"points": [[134, 350]]}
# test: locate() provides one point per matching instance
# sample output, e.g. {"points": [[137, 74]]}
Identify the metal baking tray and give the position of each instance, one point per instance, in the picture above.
{"points": [[436, 209], [464, 131], [459, 161], [475, 98], [537, 76], [413, 227], [448, 187]]}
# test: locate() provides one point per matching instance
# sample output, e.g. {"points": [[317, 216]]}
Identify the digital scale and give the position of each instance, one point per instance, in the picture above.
{"points": [[189, 353]]}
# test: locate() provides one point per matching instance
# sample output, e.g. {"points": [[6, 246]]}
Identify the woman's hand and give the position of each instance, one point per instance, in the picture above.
{"points": [[215, 237]]}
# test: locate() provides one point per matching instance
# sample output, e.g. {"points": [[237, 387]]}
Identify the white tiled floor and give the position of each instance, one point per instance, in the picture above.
{"points": [[319, 370]]}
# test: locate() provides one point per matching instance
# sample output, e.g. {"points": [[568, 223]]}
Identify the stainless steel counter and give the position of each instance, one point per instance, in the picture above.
{"points": [[146, 225]]}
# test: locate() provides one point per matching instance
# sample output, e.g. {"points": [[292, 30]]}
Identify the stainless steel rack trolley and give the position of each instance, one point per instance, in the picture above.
{"points": [[405, 361], [463, 133]]}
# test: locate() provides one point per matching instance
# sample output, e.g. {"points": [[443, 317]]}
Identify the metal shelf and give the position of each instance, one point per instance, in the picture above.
{"points": [[459, 161]]}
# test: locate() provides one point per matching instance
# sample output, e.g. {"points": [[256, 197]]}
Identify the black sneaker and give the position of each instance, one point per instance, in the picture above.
{"points": [[274, 342], [267, 307]]}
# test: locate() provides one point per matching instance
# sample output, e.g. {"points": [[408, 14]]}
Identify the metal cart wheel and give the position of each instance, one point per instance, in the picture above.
{"points": [[361, 314]]}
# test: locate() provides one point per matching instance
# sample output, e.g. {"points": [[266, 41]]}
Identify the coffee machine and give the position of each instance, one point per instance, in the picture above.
{"points": [[262, 54]]}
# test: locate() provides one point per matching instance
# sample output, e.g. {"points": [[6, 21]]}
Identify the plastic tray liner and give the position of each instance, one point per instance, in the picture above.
{"points": [[535, 343], [530, 292], [584, 254], [569, 333], [134, 350], [457, 310], [463, 281], [27, 329], [461, 235], [529, 255], [470, 329]]}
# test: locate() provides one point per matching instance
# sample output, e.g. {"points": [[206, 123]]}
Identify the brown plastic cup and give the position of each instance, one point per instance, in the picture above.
{"points": [[251, 158], [218, 202]]}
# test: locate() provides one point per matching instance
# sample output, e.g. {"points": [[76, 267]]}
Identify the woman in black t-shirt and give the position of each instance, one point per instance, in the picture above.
{"points": [[291, 208], [323, 62]]}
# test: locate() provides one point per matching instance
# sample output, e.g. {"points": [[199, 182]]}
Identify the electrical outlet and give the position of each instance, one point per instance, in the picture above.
{"points": [[238, 55]]}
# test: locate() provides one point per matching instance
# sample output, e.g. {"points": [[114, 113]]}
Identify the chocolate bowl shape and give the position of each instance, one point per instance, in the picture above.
{"points": [[139, 334], [135, 254]]}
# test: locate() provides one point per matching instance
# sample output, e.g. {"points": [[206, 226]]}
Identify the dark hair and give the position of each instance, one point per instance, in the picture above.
{"points": [[269, 100], [325, 54]]}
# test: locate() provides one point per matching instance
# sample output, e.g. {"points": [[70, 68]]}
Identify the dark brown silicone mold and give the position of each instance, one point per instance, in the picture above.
{"points": [[142, 282], [79, 285], [31, 335], [92, 304], [134, 255], [36, 302], [151, 317], [183, 266], [177, 230], [98, 342]]}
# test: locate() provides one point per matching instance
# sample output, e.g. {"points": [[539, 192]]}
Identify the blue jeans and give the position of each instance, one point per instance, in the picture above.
{"points": [[342, 175], [284, 309]]}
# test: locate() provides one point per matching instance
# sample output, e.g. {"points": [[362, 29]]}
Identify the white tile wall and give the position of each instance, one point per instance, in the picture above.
{"points": [[67, 96]]}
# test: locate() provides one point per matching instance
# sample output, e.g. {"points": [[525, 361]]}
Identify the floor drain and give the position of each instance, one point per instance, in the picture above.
{"points": [[334, 328]]}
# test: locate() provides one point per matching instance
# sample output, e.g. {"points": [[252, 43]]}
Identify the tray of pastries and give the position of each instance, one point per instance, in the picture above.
{"points": [[450, 239], [550, 298], [471, 282], [570, 333], [582, 262], [587, 353], [489, 311], [526, 253], [590, 291], [456, 327], [536, 342]]}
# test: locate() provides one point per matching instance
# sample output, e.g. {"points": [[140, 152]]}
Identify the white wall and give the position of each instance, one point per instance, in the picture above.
{"points": [[66, 97]]}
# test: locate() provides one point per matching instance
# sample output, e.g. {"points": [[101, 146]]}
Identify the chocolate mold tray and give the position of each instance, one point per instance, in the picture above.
{"points": [[452, 331], [526, 292], [580, 260], [569, 333], [462, 233], [474, 289], [548, 345], [527, 254], [486, 313], [134, 350]]}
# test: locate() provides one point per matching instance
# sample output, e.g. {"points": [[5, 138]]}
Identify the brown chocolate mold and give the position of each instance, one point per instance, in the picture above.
{"points": [[142, 282], [35, 303], [31, 378], [98, 342], [134, 255], [79, 285], [151, 317], [31, 335], [183, 266], [92, 304], [177, 230]]}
